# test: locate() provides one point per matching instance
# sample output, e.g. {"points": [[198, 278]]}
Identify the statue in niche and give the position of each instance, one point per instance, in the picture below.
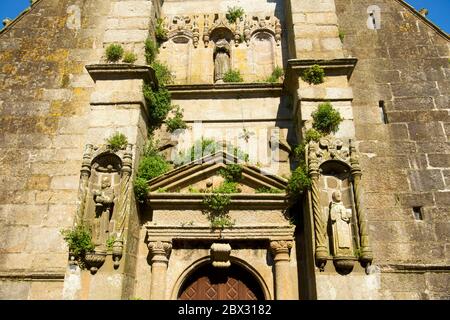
{"points": [[104, 201], [341, 225], [222, 62]]}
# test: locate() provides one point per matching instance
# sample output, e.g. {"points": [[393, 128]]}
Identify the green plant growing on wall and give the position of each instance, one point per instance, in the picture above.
{"points": [[79, 240], [268, 190], [151, 50], [110, 242], [129, 57], [163, 73], [341, 35], [233, 76], [152, 165], [231, 173], [117, 141], [114, 52], [326, 119], [158, 102], [276, 75], [141, 189], [314, 75], [160, 32], [299, 181], [176, 122], [234, 13]]}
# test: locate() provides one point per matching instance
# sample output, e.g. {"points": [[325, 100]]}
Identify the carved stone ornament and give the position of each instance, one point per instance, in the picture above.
{"points": [[332, 156], [182, 28], [220, 255], [160, 251], [280, 249], [104, 197], [342, 245], [94, 260]]}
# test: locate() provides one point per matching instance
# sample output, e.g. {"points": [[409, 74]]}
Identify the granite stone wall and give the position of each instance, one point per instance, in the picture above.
{"points": [[404, 66]]}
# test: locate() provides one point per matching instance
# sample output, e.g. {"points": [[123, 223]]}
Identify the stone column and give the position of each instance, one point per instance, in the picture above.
{"points": [[366, 251], [280, 252], [321, 252], [160, 252]]}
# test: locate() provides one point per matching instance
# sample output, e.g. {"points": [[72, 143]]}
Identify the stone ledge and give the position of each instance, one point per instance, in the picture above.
{"points": [[230, 90], [123, 71], [413, 268], [169, 233], [333, 67], [238, 201], [33, 276]]}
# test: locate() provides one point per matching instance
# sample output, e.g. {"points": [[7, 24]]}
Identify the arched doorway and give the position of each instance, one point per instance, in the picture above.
{"points": [[209, 283]]}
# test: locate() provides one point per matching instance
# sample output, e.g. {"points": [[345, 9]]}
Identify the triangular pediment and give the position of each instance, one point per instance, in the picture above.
{"points": [[203, 175]]}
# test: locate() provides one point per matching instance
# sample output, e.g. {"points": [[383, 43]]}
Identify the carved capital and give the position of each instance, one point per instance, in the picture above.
{"points": [[280, 249], [160, 250]]}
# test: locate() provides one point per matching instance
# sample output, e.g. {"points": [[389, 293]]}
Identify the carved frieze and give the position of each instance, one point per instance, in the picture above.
{"points": [[182, 29]]}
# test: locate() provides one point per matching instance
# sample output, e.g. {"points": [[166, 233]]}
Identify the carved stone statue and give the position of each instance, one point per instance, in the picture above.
{"points": [[104, 201], [221, 60], [341, 223]]}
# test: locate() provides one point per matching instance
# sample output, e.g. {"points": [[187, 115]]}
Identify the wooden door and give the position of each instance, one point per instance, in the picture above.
{"points": [[210, 283]]}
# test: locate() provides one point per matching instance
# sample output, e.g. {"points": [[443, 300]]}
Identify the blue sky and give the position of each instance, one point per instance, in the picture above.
{"points": [[439, 10]]}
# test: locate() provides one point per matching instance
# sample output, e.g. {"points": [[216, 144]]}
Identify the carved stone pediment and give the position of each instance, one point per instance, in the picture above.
{"points": [[201, 176]]}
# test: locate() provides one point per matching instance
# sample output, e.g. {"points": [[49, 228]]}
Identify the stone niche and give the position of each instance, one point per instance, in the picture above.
{"points": [[339, 217]]}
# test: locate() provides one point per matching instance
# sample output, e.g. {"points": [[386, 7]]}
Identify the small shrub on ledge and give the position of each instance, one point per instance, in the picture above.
{"points": [[117, 141], [276, 75], [129, 57], [314, 75], [79, 240], [114, 52], [233, 76]]}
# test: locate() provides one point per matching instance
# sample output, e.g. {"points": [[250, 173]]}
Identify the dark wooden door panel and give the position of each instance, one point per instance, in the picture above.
{"points": [[210, 283]]}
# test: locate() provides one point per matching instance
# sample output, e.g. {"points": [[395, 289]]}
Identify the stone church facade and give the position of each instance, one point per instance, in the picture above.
{"points": [[374, 223]]}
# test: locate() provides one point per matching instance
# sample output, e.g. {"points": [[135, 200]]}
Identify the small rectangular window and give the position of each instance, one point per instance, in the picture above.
{"points": [[417, 213], [383, 114]]}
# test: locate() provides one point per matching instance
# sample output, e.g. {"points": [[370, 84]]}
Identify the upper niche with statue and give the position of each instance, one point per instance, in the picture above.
{"points": [[251, 44]]}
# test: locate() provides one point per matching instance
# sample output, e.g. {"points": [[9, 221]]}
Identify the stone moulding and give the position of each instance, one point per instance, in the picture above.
{"points": [[238, 201], [238, 90], [344, 66], [122, 71], [170, 232]]}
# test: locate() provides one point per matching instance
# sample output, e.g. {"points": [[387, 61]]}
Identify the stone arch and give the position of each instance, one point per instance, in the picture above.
{"points": [[203, 262]]}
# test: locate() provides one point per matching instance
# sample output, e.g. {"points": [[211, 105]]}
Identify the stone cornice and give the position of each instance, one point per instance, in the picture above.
{"points": [[234, 90], [122, 71], [414, 268], [170, 233], [33, 276], [238, 201], [344, 66]]}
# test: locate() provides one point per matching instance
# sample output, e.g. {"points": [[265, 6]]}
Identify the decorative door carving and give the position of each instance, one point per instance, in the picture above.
{"points": [[210, 283]]}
